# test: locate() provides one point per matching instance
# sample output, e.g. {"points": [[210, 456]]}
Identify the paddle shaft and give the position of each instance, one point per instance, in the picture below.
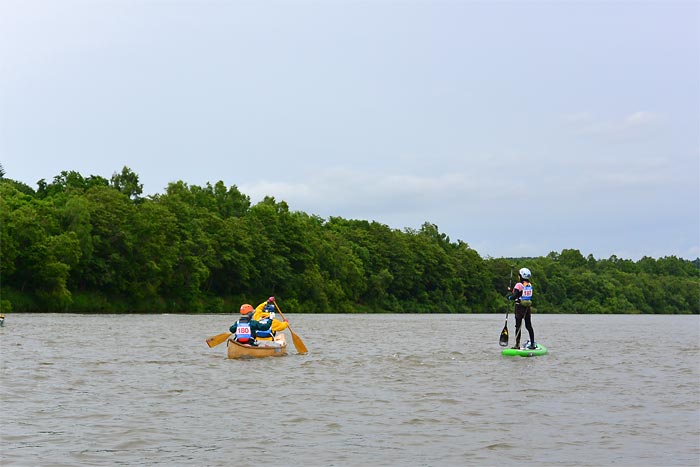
{"points": [[298, 343], [503, 339], [510, 284]]}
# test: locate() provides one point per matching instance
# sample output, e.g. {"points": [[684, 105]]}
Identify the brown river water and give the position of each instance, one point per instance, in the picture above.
{"points": [[374, 390]]}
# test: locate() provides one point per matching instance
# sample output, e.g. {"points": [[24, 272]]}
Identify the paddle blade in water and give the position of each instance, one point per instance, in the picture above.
{"points": [[218, 339], [503, 341], [298, 343]]}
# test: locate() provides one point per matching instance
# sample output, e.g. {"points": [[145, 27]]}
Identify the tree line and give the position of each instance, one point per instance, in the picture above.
{"points": [[92, 244]]}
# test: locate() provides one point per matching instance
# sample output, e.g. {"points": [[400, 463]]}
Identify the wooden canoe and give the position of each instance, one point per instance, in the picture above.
{"points": [[276, 348]]}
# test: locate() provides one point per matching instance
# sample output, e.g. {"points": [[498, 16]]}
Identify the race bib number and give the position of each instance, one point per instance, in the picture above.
{"points": [[243, 330]]}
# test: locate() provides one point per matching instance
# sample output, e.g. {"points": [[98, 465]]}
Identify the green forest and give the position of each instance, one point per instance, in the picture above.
{"points": [[91, 244]]}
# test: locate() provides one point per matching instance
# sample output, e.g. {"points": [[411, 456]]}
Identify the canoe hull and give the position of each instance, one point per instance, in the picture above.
{"points": [[276, 348]]}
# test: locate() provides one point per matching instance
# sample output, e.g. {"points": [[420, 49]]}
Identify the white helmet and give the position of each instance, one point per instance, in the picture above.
{"points": [[525, 273]]}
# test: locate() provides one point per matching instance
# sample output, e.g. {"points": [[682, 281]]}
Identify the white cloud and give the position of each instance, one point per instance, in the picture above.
{"points": [[641, 118], [351, 193], [585, 123]]}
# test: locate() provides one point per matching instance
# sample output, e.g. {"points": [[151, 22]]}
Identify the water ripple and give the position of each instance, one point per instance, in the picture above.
{"points": [[125, 398]]}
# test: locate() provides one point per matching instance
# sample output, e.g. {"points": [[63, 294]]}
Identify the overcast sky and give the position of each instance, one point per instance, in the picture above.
{"points": [[518, 127]]}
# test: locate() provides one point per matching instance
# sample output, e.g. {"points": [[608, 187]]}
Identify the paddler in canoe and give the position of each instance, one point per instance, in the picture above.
{"points": [[245, 330], [264, 313]]}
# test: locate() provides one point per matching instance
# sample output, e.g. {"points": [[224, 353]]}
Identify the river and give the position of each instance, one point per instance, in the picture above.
{"points": [[374, 390]]}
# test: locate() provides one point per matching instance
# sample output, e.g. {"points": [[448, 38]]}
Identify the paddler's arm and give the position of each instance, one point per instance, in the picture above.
{"points": [[259, 311]]}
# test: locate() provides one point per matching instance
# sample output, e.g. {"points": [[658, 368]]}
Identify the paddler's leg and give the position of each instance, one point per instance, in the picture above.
{"points": [[528, 325], [518, 325]]}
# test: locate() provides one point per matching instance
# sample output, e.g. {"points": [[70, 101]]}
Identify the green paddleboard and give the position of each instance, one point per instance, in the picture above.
{"points": [[540, 350]]}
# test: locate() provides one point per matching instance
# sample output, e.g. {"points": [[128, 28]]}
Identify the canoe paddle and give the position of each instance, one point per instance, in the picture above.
{"points": [[298, 343], [213, 341], [503, 341]]}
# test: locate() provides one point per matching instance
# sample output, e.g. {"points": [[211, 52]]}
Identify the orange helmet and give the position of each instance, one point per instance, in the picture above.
{"points": [[246, 308]]}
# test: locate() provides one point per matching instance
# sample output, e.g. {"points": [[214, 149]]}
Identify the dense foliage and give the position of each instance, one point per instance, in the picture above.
{"points": [[89, 244]]}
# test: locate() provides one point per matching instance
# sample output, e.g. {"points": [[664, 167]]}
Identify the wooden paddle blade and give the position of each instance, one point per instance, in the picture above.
{"points": [[503, 341], [213, 341], [298, 343]]}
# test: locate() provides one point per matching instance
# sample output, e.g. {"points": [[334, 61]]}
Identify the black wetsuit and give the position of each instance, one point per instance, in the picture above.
{"points": [[522, 312]]}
